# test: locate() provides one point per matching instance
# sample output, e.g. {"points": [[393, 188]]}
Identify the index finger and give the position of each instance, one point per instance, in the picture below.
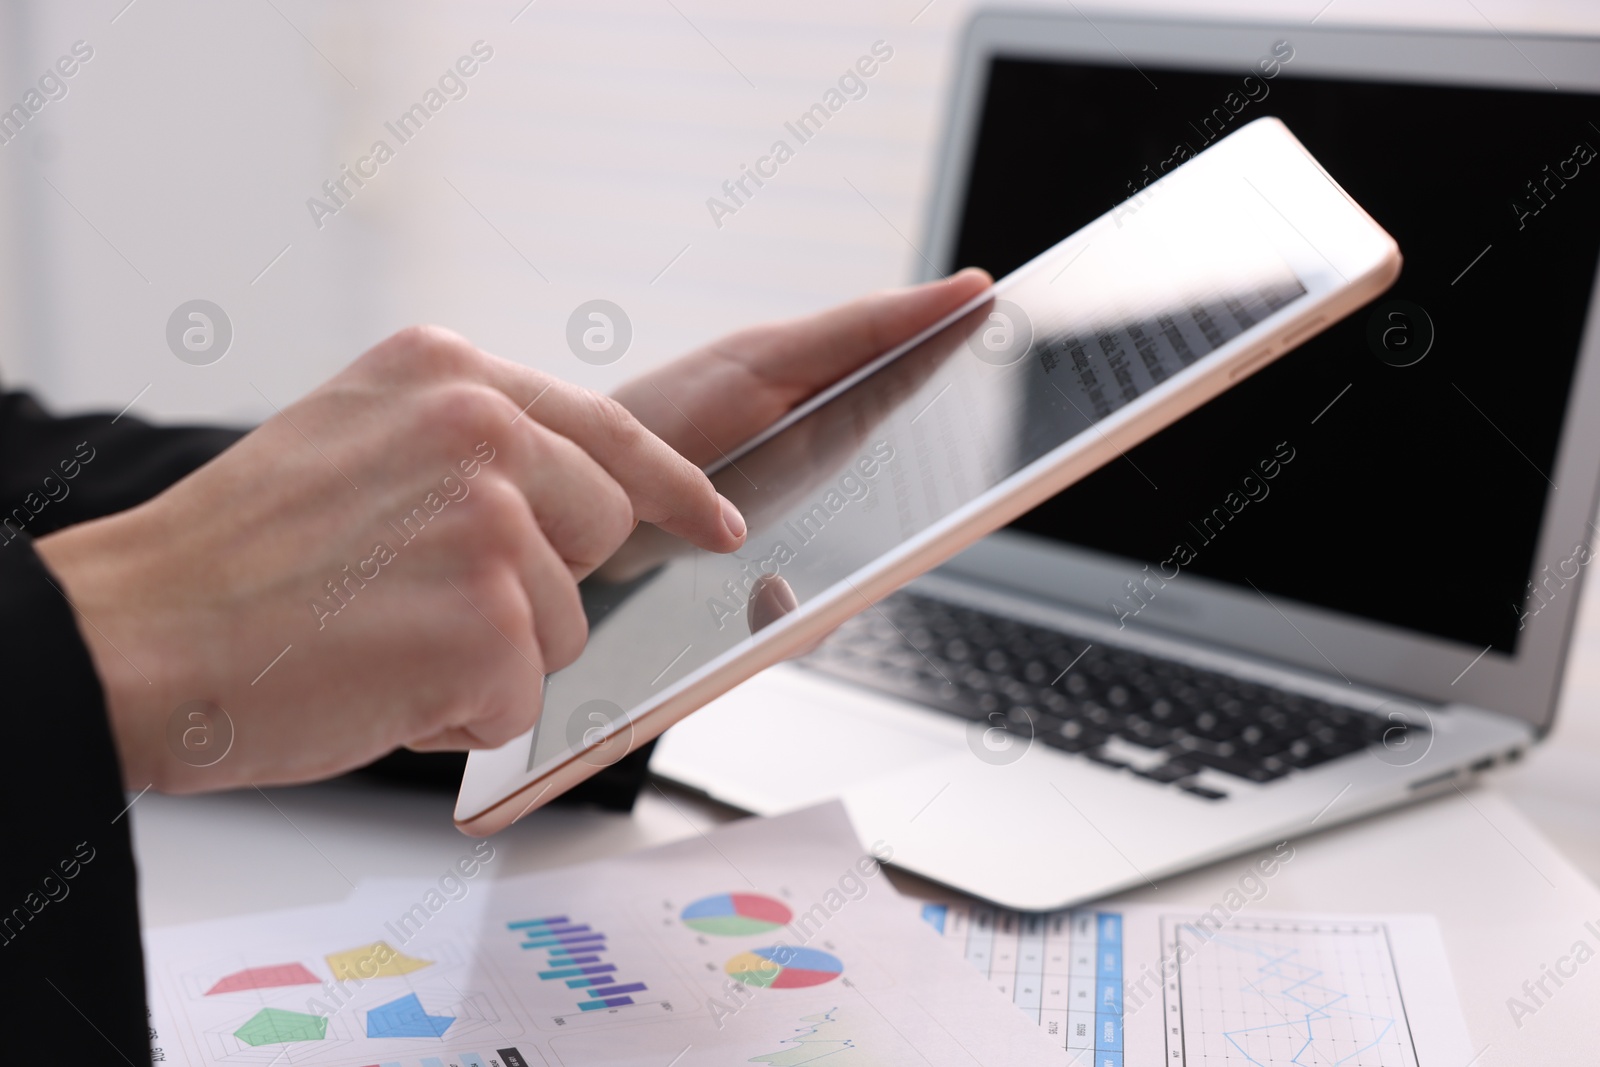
{"points": [[664, 487]]}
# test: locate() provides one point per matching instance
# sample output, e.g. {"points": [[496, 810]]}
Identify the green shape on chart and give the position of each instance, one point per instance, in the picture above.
{"points": [[275, 1026], [730, 925]]}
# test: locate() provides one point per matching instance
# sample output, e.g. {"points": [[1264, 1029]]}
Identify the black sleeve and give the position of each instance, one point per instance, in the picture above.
{"points": [[55, 472], [70, 961]]}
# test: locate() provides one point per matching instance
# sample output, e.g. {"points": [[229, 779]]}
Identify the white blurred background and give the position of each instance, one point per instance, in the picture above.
{"points": [[578, 166]]}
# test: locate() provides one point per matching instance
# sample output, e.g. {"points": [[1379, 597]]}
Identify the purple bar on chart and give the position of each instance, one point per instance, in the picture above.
{"points": [[565, 960], [596, 1005], [555, 920], [618, 990]]}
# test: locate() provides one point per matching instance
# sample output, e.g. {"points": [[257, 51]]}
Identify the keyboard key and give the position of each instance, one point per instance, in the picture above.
{"points": [[1249, 770], [1170, 771]]}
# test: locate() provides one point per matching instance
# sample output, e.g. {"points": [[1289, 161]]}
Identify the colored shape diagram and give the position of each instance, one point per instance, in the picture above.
{"points": [[784, 967], [377, 960], [406, 1018], [281, 974], [274, 1026], [736, 915]]}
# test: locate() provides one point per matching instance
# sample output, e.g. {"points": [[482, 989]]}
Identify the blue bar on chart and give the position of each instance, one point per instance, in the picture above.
{"points": [[1108, 986], [572, 972], [574, 955], [1063, 970]]}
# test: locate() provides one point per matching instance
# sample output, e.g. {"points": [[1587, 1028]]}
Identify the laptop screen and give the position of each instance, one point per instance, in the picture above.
{"points": [[1404, 490]]}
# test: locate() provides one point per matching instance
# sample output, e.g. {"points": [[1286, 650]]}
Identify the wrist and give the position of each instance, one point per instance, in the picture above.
{"points": [[92, 572]]}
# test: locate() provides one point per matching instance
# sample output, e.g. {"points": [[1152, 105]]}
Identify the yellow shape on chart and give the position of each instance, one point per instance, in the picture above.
{"points": [[377, 960]]}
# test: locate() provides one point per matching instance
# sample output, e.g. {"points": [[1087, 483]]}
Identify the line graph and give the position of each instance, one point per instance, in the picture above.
{"points": [[1276, 991]]}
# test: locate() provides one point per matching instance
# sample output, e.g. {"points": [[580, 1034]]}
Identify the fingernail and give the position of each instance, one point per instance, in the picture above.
{"points": [[783, 593], [731, 517]]}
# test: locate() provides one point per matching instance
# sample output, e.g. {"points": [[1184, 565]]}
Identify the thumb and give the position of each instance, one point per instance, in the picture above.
{"points": [[811, 353]]}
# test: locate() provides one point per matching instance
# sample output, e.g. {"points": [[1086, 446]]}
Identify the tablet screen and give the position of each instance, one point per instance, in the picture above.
{"points": [[1089, 327]]}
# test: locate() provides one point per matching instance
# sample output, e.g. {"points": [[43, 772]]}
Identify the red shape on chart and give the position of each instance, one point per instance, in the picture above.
{"points": [[799, 978], [281, 974], [754, 906]]}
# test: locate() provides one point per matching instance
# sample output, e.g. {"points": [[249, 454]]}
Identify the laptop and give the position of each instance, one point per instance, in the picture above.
{"points": [[1347, 584]]}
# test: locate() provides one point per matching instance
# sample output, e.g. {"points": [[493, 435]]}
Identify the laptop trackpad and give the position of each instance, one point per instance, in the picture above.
{"points": [[789, 738]]}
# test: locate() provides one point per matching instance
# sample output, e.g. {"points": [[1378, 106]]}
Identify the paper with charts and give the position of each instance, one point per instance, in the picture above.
{"points": [[1223, 987], [773, 942]]}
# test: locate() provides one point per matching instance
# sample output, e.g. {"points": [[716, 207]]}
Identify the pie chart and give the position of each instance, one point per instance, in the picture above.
{"points": [[784, 967], [736, 915]]}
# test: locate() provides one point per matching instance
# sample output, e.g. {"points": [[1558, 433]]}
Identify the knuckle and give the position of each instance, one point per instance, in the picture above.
{"points": [[563, 637], [543, 447], [608, 524], [497, 518], [617, 511], [614, 422], [464, 414], [607, 513], [422, 351], [498, 595]]}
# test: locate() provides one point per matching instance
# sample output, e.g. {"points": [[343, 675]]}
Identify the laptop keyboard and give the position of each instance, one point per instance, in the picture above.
{"points": [[1160, 719]]}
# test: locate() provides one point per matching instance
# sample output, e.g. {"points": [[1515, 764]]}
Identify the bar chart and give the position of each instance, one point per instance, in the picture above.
{"points": [[576, 955]]}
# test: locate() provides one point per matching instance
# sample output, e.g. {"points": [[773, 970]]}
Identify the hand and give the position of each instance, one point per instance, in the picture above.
{"points": [[408, 537], [708, 403], [711, 401]]}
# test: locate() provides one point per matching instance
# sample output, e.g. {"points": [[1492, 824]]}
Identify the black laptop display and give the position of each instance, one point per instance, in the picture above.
{"points": [[1415, 498]]}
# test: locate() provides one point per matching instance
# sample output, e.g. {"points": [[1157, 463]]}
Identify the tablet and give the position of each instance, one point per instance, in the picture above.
{"points": [[1205, 275]]}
